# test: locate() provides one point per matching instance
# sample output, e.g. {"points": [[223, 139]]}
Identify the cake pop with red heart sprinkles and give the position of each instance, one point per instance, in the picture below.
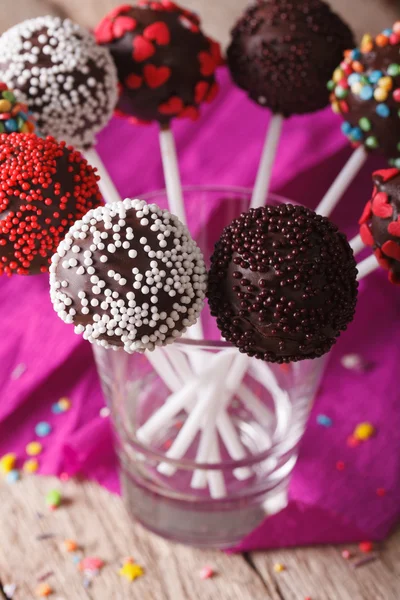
{"points": [[69, 82], [128, 275], [45, 187], [282, 53], [166, 65], [380, 222], [282, 283]]}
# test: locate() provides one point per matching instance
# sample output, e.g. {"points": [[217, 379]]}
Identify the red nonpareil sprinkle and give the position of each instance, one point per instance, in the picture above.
{"points": [[352, 442], [340, 465], [206, 572], [366, 547], [381, 492]]}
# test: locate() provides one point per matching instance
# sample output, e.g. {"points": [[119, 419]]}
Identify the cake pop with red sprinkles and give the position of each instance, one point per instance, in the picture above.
{"points": [[282, 283], [380, 222], [128, 275], [68, 81], [282, 53], [166, 65], [45, 187]]}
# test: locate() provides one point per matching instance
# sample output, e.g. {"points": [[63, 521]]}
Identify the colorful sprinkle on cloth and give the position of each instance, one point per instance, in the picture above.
{"points": [[42, 360]]}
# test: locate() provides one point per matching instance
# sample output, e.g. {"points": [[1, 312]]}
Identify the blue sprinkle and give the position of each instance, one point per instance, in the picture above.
{"points": [[354, 78], [355, 54], [383, 110], [346, 127], [56, 408], [76, 559], [12, 476], [42, 429], [357, 134], [375, 76], [324, 420], [387, 32], [367, 92], [23, 115], [11, 125]]}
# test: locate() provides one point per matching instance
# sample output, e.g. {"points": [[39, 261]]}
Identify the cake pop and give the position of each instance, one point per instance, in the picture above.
{"points": [[14, 116], [365, 90], [68, 81], [166, 65], [380, 222], [128, 275], [45, 187], [282, 283], [283, 52]]}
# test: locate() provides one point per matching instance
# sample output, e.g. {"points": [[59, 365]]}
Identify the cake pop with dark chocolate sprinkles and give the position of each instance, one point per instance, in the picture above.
{"points": [[365, 90], [166, 64], [380, 222], [128, 275], [68, 81], [283, 52], [45, 187], [282, 283]]}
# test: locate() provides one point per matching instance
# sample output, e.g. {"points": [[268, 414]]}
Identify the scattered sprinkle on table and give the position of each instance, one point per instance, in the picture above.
{"points": [[7, 462], [381, 492], [61, 406], [354, 362], [324, 420], [31, 465], [18, 371], [70, 545], [346, 554], [64, 477], [352, 442], [13, 476], [365, 560], [206, 572], [105, 412], [340, 465], [43, 590], [364, 431], [91, 563], [34, 448], [53, 499], [279, 567], [10, 589], [366, 547], [43, 429], [131, 570]]}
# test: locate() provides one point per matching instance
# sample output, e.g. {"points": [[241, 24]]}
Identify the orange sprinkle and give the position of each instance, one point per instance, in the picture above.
{"points": [[70, 545], [43, 590], [381, 40], [358, 67], [367, 47]]}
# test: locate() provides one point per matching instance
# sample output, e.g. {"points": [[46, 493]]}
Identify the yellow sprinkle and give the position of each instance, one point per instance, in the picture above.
{"points": [[64, 403], [31, 465], [5, 106], [336, 108], [380, 94], [131, 571], [338, 74], [386, 83], [364, 431], [279, 567], [7, 462], [34, 448], [366, 39]]}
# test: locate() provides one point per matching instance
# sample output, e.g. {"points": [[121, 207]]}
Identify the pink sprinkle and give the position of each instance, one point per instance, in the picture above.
{"points": [[91, 563], [206, 573], [346, 554], [64, 477]]}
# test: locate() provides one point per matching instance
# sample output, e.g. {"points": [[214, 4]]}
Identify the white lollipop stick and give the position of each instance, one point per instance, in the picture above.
{"points": [[171, 174], [366, 266], [356, 244], [215, 478], [342, 182], [261, 186], [106, 185]]}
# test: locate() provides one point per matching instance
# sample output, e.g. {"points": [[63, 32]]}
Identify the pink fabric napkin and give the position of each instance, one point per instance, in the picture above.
{"points": [[327, 505]]}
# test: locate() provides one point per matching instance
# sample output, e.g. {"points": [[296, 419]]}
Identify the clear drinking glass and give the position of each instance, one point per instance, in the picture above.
{"points": [[207, 438]]}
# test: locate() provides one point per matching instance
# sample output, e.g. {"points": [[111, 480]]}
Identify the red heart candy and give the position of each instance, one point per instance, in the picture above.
{"points": [[133, 82], [215, 49], [366, 235], [382, 261], [190, 112], [386, 174], [213, 92], [136, 121], [173, 107], [394, 278], [104, 32], [156, 76], [367, 213], [380, 206], [122, 25], [119, 10], [200, 91], [391, 249], [207, 64], [158, 32], [394, 228], [142, 49]]}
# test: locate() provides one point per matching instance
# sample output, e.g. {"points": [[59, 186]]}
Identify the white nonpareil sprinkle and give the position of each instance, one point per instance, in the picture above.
{"points": [[67, 80], [117, 304]]}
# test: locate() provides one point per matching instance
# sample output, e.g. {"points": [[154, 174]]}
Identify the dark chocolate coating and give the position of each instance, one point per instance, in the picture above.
{"points": [[282, 283], [380, 222], [283, 52], [166, 71]]}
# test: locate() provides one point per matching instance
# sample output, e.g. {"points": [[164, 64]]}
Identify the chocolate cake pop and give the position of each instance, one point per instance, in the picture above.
{"points": [[14, 116], [166, 65], [128, 275], [380, 222], [282, 53], [282, 283], [366, 92], [45, 187], [68, 81]]}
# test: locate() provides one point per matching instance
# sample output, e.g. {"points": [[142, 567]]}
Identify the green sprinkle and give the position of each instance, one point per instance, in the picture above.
{"points": [[2, 128], [365, 124], [393, 70], [397, 163], [53, 499], [372, 142], [330, 85], [340, 92], [7, 95]]}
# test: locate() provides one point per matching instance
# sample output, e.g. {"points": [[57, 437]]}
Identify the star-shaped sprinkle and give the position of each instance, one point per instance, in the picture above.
{"points": [[131, 570]]}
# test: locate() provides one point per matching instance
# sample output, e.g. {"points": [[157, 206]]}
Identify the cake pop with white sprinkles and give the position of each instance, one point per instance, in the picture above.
{"points": [[128, 275], [68, 81]]}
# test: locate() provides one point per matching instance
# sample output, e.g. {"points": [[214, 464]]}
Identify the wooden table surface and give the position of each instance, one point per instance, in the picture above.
{"points": [[97, 520]]}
